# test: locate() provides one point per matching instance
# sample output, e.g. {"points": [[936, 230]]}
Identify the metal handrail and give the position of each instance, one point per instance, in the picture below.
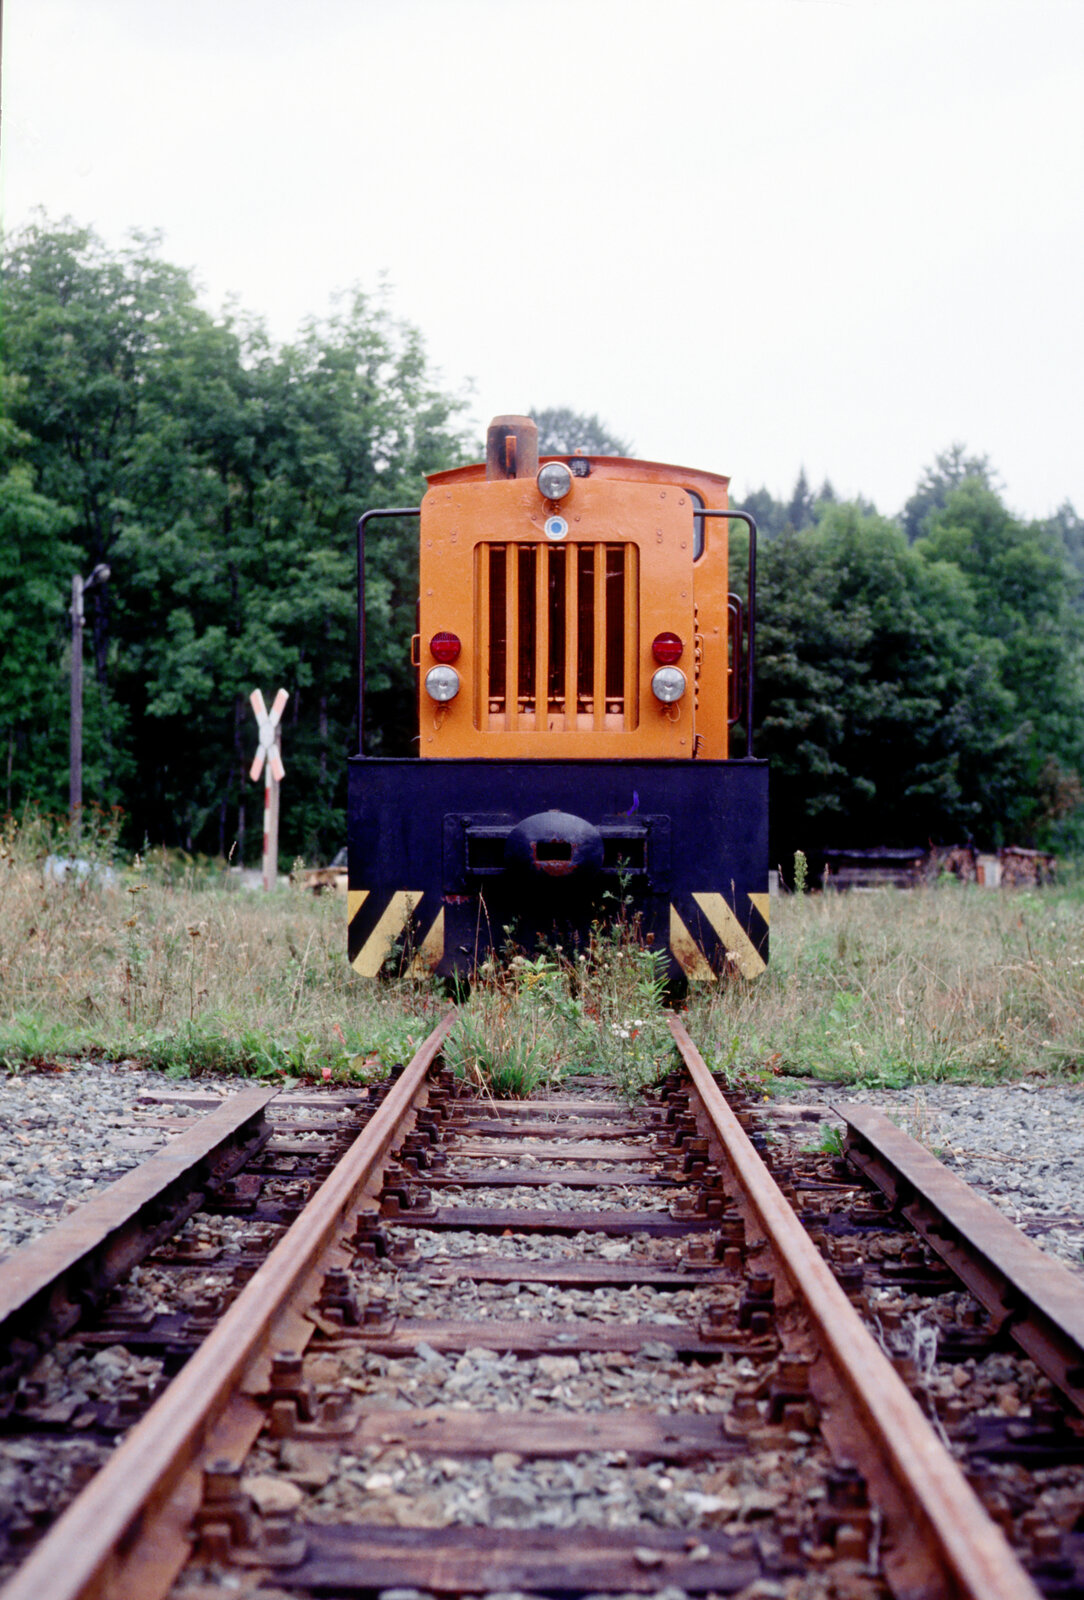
{"points": [[751, 614], [369, 516]]}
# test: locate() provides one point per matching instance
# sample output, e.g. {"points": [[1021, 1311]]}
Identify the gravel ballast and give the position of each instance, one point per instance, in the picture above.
{"points": [[70, 1132], [1020, 1145]]}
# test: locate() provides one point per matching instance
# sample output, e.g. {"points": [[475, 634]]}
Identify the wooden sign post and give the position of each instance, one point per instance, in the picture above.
{"points": [[269, 762]]}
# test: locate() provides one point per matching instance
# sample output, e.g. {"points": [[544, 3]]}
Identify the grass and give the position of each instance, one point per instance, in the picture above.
{"points": [[891, 988], [164, 964], [161, 962], [536, 1021]]}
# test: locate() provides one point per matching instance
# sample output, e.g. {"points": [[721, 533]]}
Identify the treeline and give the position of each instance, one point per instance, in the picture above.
{"points": [[919, 676], [923, 692], [220, 478]]}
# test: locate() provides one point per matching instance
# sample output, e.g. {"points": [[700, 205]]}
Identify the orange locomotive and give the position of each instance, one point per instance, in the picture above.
{"points": [[580, 668]]}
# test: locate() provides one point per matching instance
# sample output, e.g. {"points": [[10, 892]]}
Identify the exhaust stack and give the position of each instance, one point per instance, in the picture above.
{"points": [[511, 448]]}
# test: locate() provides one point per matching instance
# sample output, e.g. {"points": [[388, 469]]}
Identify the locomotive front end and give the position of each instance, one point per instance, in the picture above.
{"points": [[579, 661]]}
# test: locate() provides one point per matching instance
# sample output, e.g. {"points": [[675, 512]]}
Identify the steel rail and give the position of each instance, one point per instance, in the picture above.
{"points": [[1035, 1298], [50, 1281], [85, 1554], [940, 1541]]}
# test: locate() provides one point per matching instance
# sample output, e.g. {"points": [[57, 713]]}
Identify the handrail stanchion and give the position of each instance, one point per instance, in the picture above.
{"points": [[751, 620], [369, 516]]}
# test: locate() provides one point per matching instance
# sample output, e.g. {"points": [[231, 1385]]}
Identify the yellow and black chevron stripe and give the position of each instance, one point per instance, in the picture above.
{"points": [[378, 918], [706, 931]]}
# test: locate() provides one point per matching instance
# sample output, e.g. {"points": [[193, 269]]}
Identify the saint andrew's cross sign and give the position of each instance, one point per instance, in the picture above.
{"points": [[269, 734], [269, 762]]}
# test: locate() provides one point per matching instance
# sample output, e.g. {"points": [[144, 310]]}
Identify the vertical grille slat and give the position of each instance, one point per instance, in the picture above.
{"points": [[558, 580], [585, 632], [631, 599], [525, 680], [494, 570], [542, 639], [483, 640], [572, 582], [601, 616], [557, 631], [511, 634]]}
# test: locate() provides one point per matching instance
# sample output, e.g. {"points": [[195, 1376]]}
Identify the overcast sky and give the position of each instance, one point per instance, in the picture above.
{"points": [[752, 235]]}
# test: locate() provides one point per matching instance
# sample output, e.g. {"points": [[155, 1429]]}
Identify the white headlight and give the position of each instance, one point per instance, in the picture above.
{"points": [[554, 480], [442, 683], [668, 685]]}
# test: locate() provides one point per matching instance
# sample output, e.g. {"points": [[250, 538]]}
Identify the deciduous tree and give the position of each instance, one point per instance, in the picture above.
{"points": [[562, 431]]}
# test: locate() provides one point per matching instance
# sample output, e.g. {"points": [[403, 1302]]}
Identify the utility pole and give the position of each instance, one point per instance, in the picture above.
{"points": [[75, 785]]}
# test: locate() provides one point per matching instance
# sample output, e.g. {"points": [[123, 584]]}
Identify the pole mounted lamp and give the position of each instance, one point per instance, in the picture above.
{"points": [[80, 585]]}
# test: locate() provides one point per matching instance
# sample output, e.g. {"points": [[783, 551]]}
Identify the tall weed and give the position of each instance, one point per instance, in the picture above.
{"points": [[537, 1020]]}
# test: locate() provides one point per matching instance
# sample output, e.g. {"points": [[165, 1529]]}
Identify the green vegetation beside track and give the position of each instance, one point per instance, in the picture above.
{"points": [[163, 965], [896, 987]]}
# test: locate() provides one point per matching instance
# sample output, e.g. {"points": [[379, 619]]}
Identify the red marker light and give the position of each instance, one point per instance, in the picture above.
{"points": [[666, 648], [445, 647]]}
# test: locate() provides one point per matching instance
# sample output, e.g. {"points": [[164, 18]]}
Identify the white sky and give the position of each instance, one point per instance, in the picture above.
{"points": [[751, 234]]}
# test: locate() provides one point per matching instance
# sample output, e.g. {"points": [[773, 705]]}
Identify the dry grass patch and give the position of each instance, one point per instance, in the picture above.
{"points": [[896, 987], [166, 965], [187, 974]]}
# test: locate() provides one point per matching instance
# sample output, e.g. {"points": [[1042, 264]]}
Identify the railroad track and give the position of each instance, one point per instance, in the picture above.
{"points": [[564, 1346]]}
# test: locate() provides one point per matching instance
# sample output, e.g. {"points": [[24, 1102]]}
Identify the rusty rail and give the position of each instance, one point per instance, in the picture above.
{"points": [[48, 1284], [127, 1533], [939, 1540], [1037, 1300]]}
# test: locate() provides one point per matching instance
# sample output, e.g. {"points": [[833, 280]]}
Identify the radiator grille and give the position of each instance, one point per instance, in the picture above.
{"points": [[557, 624]]}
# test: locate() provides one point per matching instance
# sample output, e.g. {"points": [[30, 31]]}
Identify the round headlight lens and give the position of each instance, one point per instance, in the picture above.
{"points": [[442, 683], [668, 685], [554, 480]]}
